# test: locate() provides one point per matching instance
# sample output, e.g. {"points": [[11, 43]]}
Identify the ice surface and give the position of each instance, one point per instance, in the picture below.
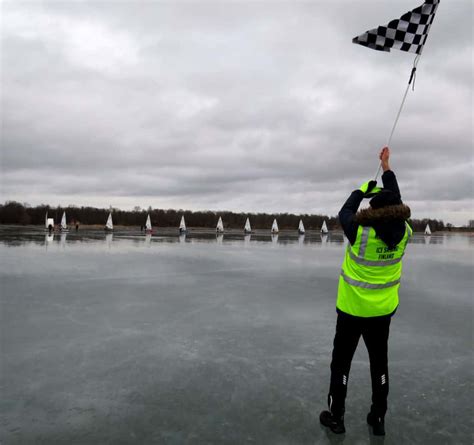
{"points": [[130, 340]]}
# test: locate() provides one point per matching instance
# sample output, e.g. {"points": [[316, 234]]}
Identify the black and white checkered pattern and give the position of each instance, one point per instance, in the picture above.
{"points": [[408, 33]]}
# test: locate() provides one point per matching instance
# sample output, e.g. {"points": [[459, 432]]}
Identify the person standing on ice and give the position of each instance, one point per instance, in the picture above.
{"points": [[368, 292]]}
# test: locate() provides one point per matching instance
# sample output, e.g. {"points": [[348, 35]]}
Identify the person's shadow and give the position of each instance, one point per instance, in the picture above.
{"points": [[375, 440], [335, 439]]}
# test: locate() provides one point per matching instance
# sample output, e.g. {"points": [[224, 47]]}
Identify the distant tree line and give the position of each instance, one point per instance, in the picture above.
{"points": [[436, 225], [16, 213], [13, 212]]}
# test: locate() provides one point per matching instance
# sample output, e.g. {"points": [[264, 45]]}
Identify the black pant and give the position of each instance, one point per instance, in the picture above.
{"points": [[375, 332]]}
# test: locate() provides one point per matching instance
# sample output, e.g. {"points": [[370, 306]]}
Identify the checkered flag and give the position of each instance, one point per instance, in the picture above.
{"points": [[408, 33]]}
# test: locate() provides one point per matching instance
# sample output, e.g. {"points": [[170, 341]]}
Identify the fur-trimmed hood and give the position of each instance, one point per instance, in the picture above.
{"points": [[371, 217], [388, 222]]}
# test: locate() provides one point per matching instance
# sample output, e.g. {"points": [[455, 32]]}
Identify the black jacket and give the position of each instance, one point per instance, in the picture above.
{"points": [[388, 224]]}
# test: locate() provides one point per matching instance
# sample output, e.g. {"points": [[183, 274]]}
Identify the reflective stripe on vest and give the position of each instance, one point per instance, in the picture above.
{"points": [[363, 241], [359, 260], [366, 285]]}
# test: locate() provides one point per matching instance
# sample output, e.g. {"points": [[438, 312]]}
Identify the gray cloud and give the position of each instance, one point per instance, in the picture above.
{"points": [[247, 106]]}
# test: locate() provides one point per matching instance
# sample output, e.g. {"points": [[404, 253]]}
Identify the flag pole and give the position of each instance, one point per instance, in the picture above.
{"points": [[412, 78]]}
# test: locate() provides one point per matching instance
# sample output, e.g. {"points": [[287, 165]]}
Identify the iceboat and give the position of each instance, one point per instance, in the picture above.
{"points": [[63, 227], [182, 225], [109, 225], [301, 230], [220, 226], [48, 223], [275, 226], [148, 228], [247, 228], [324, 228]]}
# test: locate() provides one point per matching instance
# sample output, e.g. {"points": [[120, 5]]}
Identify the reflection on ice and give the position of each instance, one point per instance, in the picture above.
{"points": [[334, 237], [199, 236], [434, 239], [49, 237], [63, 239], [148, 239], [419, 238], [108, 239]]}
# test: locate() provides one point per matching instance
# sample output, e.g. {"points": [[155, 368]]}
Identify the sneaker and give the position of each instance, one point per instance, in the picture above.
{"points": [[335, 424], [377, 424]]}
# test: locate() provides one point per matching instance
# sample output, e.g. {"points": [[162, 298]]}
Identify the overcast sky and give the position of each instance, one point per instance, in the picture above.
{"points": [[246, 106]]}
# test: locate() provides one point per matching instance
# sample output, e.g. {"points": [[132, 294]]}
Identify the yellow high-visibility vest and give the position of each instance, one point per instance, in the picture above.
{"points": [[370, 275]]}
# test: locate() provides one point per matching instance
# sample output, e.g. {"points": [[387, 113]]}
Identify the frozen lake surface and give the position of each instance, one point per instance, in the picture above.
{"points": [[132, 340]]}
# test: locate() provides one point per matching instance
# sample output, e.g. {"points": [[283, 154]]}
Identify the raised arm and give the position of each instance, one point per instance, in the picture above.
{"points": [[389, 179], [347, 213]]}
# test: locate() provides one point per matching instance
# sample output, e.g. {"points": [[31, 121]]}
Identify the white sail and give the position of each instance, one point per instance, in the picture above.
{"points": [[109, 224], [247, 227], [46, 221], [63, 222], [324, 228], [301, 227], [220, 225], [50, 222], [182, 225], [148, 223], [427, 230], [275, 226]]}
